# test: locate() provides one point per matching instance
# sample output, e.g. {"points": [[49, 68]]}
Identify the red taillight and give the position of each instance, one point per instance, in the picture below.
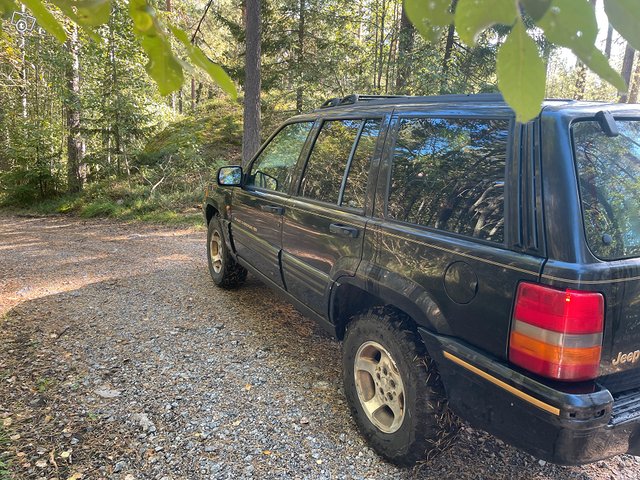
{"points": [[557, 333]]}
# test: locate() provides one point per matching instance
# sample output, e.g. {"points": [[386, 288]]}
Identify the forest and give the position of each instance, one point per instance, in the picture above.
{"points": [[84, 129]]}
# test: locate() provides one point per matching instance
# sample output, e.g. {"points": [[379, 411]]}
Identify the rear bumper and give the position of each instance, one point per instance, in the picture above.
{"points": [[557, 426]]}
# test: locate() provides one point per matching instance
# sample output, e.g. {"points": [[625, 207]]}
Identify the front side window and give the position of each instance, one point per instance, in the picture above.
{"points": [[609, 179], [325, 169], [449, 174], [273, 169]]}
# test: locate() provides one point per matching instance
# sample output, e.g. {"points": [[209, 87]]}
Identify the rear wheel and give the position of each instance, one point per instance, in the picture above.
{"points": [[394, 389], [224, 270]]}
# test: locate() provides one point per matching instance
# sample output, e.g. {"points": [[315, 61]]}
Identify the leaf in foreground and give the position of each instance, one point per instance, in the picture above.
{"points": [[200, 60], [521, 73], [429, 17], [474, 16], [45, 19], [624, 15]]}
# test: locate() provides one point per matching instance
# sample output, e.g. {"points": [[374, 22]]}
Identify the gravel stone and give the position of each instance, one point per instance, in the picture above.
{"points": [[211, 384]]}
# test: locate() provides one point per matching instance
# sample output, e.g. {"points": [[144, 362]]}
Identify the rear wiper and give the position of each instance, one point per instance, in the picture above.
{"points": [[607, 123]]}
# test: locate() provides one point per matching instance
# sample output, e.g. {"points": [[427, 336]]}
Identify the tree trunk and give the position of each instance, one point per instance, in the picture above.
{"points": [[193, 94], [448, 50], [114, 128], [608, 42], [405, 53], [24, 88], [300, 48], [252, 84], [635, 84], [75, 149], [627, 68], [380, 52]]}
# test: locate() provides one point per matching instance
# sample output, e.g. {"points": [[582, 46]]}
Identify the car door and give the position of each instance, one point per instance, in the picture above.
{"points": [[258, 208], [324, 223]]}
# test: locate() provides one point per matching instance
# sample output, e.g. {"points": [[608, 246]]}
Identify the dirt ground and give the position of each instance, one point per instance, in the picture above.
{"points": [[119, 359]]}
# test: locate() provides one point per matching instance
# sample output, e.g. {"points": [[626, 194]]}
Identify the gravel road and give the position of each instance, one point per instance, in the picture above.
{"points": [[119, 359]]}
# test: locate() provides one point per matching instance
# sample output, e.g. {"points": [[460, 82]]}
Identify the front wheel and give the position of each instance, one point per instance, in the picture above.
{"points": [[393, 388], [224, 270]]}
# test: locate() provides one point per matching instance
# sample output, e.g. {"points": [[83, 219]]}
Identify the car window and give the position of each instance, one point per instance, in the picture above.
{"points": [[449, 174], [355, 189], [609, 178], [325, 169], [273, 169]]}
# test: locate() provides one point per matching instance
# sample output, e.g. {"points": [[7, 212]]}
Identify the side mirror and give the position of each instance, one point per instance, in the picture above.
{"points": [[230, 176]]}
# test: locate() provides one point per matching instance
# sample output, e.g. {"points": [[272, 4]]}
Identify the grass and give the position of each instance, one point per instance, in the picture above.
{"points": [[119, 201], [43, 384]]}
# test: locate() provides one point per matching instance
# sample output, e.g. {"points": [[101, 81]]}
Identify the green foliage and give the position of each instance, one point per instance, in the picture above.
{"points": [[624, 15], [567, 23], [205, 140], [521, 73], [46, 19], [162, 66], [473, 17], [200, 60], [430, 17]]}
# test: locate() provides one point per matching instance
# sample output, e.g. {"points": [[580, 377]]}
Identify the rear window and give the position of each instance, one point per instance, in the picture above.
{"points": [[609, 179]]}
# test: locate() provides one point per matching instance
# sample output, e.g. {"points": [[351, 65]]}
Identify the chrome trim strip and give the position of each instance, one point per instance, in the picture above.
{"points": [[518, 393], [568, 340]]}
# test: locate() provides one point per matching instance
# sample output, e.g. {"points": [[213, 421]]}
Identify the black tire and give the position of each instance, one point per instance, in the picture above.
{"points": [[224, 270], [427, 426]]}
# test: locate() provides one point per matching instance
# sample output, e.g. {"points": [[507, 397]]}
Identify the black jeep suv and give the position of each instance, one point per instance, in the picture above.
{"points": [[467, 261]]}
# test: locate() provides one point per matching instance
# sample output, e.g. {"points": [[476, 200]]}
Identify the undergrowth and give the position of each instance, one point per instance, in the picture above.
{"points": [[123, 202]]}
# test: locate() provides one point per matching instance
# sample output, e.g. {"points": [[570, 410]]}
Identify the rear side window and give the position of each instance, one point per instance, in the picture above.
{"points": [[355, 189], [325, 169], [338, 166], [273, 169], [609, 178], [449, 174]]}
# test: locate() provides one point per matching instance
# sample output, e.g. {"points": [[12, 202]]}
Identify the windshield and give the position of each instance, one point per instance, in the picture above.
{"points": [[609, 177]]}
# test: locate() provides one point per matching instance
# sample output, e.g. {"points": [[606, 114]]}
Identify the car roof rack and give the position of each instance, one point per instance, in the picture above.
{"points": [[356, 98]]}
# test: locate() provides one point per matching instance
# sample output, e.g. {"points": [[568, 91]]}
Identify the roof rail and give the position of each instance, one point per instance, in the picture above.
{"points": [[356, 98]]}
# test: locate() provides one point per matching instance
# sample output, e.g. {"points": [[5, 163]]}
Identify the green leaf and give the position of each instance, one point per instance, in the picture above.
{"points": [[436, 12], [143, 16], [624, 15], [92, 13], [521, 73], [474, 16], [571, 24], [68, 9], [599, 64], [429, 17], [536, 8], [199, 59], [7, 7], [162, 66], [45, 19]]}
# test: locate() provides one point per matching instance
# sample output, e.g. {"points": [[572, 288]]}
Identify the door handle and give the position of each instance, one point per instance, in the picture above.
{"points": [[344, 230], [273, 209]]}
